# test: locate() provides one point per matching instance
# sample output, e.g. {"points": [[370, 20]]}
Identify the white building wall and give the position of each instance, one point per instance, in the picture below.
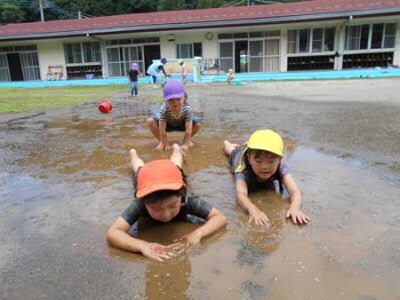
{"points": [[51, 53], [169, 42]]}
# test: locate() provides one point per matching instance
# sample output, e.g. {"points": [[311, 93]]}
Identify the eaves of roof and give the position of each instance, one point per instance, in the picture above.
{"points": [[205, 24]]}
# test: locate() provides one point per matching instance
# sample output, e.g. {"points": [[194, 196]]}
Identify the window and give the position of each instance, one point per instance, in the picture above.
{"points": [[76, 53], [188, 50], [311, 40], [370, 36]]}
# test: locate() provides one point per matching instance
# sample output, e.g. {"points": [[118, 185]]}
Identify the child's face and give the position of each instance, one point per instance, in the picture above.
{"points": [[175, 104], [166, 209], [265, 165]]}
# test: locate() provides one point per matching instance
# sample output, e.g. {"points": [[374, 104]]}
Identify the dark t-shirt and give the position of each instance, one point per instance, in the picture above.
{"points": [[275, 182], [193, 206], [133, 74]]}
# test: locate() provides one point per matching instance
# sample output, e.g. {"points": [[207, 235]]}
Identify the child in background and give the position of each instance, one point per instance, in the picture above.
{"points": [[258, 165], [162, 195], [230, 76], [174, 115], [184, 71], [133, 75]]}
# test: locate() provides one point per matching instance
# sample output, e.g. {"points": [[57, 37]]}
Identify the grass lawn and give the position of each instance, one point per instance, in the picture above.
{"points": [[14, 100]]}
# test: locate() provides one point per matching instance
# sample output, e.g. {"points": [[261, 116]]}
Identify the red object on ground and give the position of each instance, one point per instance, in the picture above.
{"points": [[105, 107]]}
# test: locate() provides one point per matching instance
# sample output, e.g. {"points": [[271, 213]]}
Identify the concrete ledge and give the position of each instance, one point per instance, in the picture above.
{"points": [[245, 77]]}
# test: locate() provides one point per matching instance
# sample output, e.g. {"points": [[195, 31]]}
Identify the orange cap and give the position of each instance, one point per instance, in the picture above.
{"points": [[158, 175]]}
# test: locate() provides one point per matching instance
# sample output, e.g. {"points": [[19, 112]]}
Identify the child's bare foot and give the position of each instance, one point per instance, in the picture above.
{"points": [[175, 147], [132, 152]]}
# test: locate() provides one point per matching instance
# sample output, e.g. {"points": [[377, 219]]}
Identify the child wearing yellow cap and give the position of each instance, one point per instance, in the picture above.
{"points": [[162, 195], [230, 76], [258, 165]]}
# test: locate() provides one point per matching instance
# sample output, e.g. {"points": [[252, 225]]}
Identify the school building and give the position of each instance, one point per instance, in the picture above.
{"points": [[300, 36]]}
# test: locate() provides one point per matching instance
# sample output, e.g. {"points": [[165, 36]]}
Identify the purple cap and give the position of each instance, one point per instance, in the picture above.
{"points": [[173, 89], [135, 66]]}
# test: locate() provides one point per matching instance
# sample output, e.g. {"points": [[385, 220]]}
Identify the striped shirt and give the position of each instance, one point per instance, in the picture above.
{"points": [[165, 115]]}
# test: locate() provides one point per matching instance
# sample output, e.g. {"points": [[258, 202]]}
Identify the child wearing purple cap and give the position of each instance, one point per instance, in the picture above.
{"points": [[133, 75], [174, 115]]}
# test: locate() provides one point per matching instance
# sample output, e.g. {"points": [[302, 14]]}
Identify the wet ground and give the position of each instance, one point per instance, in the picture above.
{"points": [[65, 177]]}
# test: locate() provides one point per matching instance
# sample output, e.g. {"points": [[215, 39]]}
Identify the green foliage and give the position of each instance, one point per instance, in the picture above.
{"points": [[28, 10], [10, 13], [166, 5]]}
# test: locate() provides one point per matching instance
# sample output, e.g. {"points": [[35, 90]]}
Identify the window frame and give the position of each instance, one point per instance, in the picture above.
{"points": [[81, 55], [191, 48], [370, 38], [310, 38]]}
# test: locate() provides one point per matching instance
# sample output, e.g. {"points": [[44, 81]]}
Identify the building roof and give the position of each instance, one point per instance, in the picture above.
{"points": [[201, 18]]}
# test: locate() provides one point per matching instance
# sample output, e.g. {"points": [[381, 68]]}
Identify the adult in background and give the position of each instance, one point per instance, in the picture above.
{"points": [[155, 68]]}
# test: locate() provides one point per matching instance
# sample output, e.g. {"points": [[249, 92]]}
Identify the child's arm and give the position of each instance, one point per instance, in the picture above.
{"points": [[188, 135], [294, 211], [255, 214], [118, 237], [162, 129], [215, 221]]}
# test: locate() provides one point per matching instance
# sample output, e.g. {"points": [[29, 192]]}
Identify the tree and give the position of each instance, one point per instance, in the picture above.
{"points": [[164, 5], [11, 14], [211, 3]]}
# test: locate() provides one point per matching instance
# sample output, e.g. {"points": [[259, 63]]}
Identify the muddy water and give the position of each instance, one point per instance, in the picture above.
{"points": [[65, 178]]}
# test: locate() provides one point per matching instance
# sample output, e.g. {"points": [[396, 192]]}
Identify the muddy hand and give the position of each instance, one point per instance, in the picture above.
{"points": [[179, 248], [164, 147], [157, 252], [297, 216], [258, 218]]}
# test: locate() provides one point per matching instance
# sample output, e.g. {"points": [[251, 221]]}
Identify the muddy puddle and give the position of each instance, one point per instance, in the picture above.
{"points": [[65, 177]]}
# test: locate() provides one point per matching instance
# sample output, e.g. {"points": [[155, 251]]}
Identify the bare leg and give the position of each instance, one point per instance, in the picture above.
{"points": [[136, 161], [177, 155], [229, 147], [195, 129], [153, 126]]}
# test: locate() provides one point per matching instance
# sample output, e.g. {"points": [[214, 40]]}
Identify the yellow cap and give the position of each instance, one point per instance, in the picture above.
{"points": [[180, 62], [266, 140], [230, 70]]}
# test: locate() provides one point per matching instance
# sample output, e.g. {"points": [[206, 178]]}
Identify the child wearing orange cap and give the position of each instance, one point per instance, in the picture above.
{"points": [[174, 115], [162, 195], [258, 165]]}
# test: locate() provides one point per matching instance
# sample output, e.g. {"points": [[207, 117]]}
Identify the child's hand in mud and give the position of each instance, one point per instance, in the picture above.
{"points": [[157, 251], [297, 216], [162, 146], [187, 145], [258, 217], [184, 244]]}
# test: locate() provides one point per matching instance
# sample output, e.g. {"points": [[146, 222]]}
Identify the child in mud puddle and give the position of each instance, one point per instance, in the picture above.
{"points": [[174, 115], [258, 165], [162, 195]]}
